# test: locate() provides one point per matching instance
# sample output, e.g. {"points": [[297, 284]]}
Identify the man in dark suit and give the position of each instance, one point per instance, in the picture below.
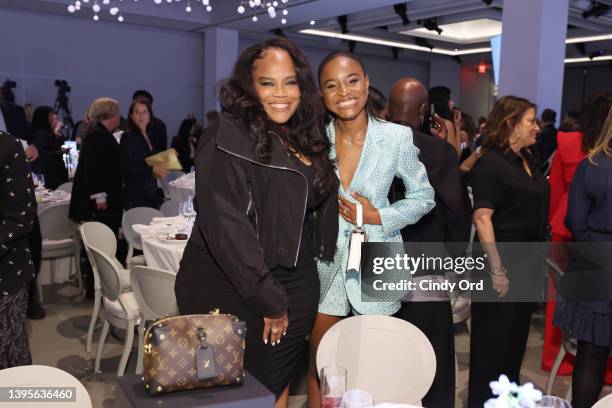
{"points": [[449, 221], [13, 120], [156, 129], [546, 142]]}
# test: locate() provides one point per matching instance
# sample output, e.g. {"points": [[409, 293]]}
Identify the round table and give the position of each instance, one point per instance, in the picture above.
{"points": [[162, 254]]}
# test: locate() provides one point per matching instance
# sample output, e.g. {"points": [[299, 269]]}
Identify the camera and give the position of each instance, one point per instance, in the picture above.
{"points": [[62, 86]]}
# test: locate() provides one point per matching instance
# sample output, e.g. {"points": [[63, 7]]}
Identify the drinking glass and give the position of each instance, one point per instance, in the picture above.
{"points": [[333, 386], [357, 399], [550, 401]]}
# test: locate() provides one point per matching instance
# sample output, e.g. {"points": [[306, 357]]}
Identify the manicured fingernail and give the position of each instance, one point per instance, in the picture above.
{"points": [[278, 342], [285, 333], [265, 341], [273, 344]]}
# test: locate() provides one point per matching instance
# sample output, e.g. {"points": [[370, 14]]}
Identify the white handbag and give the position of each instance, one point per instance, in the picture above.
{"points": [[358, 236]]}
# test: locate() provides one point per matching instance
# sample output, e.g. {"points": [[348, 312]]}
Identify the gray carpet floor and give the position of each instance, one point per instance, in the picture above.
{"points": [[59, 341]]}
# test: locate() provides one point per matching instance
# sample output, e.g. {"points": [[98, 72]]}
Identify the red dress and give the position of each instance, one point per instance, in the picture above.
{"points": [[567, 157]]}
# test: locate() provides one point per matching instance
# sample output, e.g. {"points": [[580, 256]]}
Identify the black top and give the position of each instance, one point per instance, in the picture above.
{"points": [[500, 182], [546, 144], [139, 185], [158, 134], [450, 220], [589, 205], [181, 145], [98, 171], [251, 215], [17, 214], [51, 158]]}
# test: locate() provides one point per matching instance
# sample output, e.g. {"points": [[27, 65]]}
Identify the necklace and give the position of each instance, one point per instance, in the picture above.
{"points": [[350, 142]]}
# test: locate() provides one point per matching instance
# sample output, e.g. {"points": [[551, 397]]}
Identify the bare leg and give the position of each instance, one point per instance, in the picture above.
{"points": [[283, 399], [321, 325]]}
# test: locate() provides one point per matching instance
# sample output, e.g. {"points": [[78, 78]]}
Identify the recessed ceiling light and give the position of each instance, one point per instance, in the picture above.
{"points": [[464, 32]]}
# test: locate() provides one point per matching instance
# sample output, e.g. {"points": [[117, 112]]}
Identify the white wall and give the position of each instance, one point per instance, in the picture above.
{"points": [[102, 59]]}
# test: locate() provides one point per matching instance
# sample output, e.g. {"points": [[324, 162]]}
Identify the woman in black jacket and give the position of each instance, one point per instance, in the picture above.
{"points": [[17, 215], [182, 142], [49, 146], [139, 186], [266, 201]]}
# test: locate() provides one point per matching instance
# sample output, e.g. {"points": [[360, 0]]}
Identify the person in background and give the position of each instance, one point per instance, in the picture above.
{"points": [[588, 218], [13, 120], [139, 185], [49, 144], [157, 128], [362, 145], [449, 221], [444, 122], [17, 270], [81, 129], [467, 134], [572, 148], [570, 123], [183, 142], [510, 205], [265, 187], [546, 143], [29, 111], [379, 103]]}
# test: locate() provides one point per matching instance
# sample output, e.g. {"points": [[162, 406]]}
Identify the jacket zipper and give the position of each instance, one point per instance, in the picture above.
{"points": [[249, 209], [280, 168], [322, 247]]}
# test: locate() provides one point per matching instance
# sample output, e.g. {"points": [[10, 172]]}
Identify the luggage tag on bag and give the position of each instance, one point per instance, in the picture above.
{"points": [[205, 358], [358, 236]]}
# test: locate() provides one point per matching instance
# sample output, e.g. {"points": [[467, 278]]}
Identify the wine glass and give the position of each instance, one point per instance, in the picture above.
{"points": [[550, 401], [333, 386]]}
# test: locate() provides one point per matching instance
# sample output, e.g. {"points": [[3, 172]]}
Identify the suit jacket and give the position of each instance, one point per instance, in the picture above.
{"points": [[388, 152], [17, 215], [450, 220], [15, 118], [98, 171]]}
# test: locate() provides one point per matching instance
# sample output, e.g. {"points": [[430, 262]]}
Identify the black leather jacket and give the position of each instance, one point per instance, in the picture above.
{"points": [[250, 214]]}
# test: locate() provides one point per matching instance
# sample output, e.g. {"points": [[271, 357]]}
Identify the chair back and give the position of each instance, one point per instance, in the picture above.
{"points": [[44, 377], [67, 187], [137, 215], [170, 208], [388, 357], [154, 291], [98, 235], [109, 276], [605, 402], [54, 222]]}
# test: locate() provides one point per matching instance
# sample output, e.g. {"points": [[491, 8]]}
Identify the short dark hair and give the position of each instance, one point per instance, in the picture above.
{"points": [[141, 93], [549, 115]]}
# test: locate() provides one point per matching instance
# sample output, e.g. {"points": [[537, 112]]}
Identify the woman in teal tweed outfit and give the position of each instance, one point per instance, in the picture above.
{"points": [[369, 153]]}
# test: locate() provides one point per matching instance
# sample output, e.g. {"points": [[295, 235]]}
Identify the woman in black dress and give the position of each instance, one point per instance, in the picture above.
{"points": [[139, 186], [588, 218], [49, 145], [510, 205], [267, 206]]}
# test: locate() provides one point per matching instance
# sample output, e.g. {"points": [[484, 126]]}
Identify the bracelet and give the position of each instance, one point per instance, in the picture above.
{"points": [[499, 271]]}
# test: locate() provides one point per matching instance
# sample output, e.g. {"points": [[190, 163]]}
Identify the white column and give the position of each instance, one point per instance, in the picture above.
{"points": [[533, 51], [220, 55]]}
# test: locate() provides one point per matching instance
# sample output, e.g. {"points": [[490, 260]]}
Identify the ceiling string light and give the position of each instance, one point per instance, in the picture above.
{"points": [[271, 8]]}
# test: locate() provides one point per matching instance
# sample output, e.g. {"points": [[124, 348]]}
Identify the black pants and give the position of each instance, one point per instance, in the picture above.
{"points": [[435, 320], [497, 345], [35, 242]]}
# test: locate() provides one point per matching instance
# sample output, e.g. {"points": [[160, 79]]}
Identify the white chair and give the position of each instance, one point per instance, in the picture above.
{"points": [[60, 240], [44, 377], [120, 308], [136, 215], [100, 236], [605, 402], [67, 187], [154, 293], [170, 208], [387, 357]]}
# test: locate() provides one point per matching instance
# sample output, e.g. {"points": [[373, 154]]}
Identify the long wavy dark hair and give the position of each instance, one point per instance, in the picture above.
{"points": [[370, 107], [592, 117], [40, 119], [305, 130]]}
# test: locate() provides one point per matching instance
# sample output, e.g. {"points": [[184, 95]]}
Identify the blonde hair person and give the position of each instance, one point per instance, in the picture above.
{"points": [[103, 109], [603, 144]]}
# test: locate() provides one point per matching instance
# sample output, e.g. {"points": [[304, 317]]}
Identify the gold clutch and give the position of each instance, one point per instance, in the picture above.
{"points": [[168, 157]]}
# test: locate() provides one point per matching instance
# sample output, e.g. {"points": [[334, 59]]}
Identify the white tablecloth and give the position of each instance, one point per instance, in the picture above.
{"points": [[158, 251], [182, 188]]}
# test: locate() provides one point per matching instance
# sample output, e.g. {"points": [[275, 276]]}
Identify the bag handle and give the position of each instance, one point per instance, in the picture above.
{"points": [[359, 214]]}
